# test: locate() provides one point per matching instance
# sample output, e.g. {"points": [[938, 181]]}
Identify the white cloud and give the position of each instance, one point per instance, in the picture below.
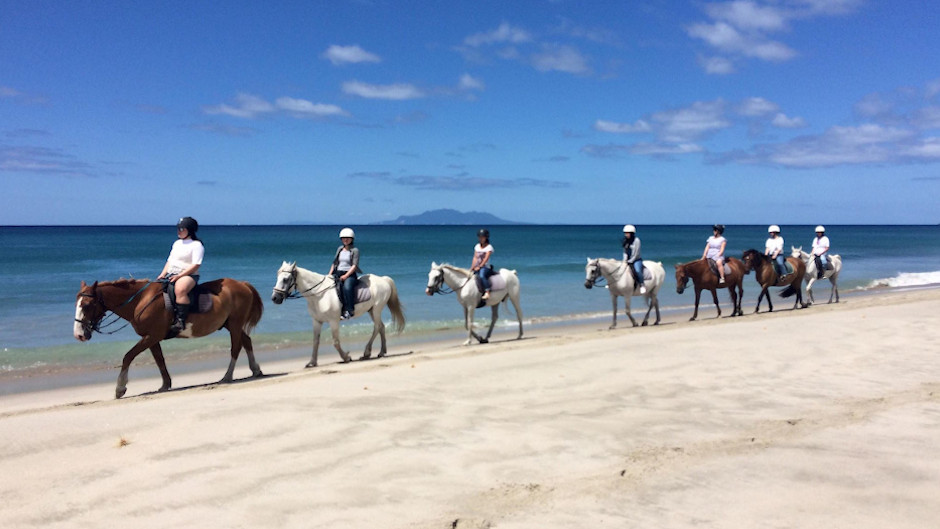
{"points": [[716, 65], [306, 108], [247, 106], [560, 58], [505, 33], [748, 15], [397, 92], [662, 149], [927, 118], [622, 128], [468, 82], [926, 149], [757, 106], [349, 54], [782, 121], [933, 88], [690, 123], [726, 38]]}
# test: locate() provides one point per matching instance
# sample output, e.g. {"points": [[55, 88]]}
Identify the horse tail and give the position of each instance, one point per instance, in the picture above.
{"points": [[257, 308], [790, 290], [395, 307]]}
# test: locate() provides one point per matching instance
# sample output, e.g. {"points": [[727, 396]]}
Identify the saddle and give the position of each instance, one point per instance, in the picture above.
{"points": [[363, 292], [200, 297], [713, 266], [647, 275]]}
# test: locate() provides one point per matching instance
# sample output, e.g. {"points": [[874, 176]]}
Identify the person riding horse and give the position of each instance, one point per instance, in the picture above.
{"points": [[715, 250], [181, 269], [344, 268], [773, 248], [631, 254], [481, 258], [820, 251]]}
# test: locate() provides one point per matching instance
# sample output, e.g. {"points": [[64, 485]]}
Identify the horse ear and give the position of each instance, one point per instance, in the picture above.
{"points": [[589, 260], [94, 285], [433, 264], [83, 284]]}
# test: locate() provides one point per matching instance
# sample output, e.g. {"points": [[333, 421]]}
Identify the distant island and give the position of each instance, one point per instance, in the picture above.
{"points": [[448, 217]]}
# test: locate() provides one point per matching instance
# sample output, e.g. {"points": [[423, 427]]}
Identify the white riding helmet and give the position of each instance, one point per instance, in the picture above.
{"points": [[629, 228], [347, 232], [821, 228], [773, 229]]}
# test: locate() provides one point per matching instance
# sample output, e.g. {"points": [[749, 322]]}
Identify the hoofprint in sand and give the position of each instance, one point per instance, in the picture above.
{"points": [[826, 417]]}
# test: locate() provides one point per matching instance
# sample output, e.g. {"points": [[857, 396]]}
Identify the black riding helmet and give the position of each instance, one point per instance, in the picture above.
{"points": [[190, 224], [483, 233], [720, 228]]}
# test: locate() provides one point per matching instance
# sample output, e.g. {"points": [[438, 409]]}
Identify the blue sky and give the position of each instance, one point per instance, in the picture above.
{"points": [[350, 112]]}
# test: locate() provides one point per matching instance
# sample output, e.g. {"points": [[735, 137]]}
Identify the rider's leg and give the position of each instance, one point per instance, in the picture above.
{"points": [[182, 287], [720, 261], [485, 273], [349, 295], [638, 268]]}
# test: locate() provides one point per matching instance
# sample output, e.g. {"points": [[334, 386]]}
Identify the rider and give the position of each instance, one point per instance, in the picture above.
{"points": [[481, 258], [773, 248], [821, 251], [715, 249], [344, 268], [631, 253], [181, 269]]}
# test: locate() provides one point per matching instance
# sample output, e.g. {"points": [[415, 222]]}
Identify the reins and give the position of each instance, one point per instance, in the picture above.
{"points": [[96, 327], [293, 293]]}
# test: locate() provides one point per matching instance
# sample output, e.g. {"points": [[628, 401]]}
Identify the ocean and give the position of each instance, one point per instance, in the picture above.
{"points": [[41, 268]]}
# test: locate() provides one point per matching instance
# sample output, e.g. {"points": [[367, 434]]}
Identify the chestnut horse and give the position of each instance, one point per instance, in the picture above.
{"points": [[704, 279], [766, 275], [236, 306]]}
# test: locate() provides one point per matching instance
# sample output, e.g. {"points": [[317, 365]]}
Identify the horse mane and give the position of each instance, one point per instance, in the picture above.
{"points": [[121, 283], [463, 271]]}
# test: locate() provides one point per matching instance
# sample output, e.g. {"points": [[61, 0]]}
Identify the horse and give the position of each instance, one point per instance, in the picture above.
{"points": [[461, 281], [620, 283], [324, 305], [812, 274], [236, 306], [704, 279], [766, 274]]}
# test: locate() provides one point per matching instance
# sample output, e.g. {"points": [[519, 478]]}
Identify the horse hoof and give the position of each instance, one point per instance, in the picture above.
{"points": [[364, 357], [119, 392], [484, 340], [163, 388], [311, 364], [644, 324]]}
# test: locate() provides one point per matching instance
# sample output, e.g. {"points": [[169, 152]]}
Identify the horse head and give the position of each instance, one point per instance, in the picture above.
{"points": [[592, 272], [285, 283], [682, 278], [435, 279], [796, 252], [89, 310], [751, 259]]}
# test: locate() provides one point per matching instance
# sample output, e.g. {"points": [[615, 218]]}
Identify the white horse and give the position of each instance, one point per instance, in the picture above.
{"points": [[620, 283], [462, 281], [324, 305], [811, 272]]}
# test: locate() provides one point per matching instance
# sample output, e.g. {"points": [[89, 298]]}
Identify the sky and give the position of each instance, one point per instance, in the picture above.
{"points": [[571, 112]]}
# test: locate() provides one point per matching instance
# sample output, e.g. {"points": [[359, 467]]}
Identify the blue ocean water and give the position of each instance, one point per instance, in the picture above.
{"points": [[41, 268]]}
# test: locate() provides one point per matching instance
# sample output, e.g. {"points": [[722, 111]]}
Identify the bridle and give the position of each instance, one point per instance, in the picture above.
{"points": [[290, 290], [597, 276], [439, 285], [97, 325]]}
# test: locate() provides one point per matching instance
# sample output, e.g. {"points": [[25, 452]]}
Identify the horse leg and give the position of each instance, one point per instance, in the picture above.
{"points": [[715, 298], [809, 289], [236, 348], [835, 288], [334, 330], [157, 353], [493, 317], [613, 300], [740, 297], [515, 305], [698, 295], [376, 322], [317, 328], [250, 351], [649, 308], [129, 357], [655, 298], [626, 308], [468, 324]]}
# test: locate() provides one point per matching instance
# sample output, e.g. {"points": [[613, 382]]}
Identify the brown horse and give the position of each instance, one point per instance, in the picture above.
{"points": [[236, 306], [704, 279], [766, 275]]}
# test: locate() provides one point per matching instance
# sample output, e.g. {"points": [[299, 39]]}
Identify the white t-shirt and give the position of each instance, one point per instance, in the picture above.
{"points": [[773, 245], [185, 253], [820, 245], [479, 252], [714, 247]]}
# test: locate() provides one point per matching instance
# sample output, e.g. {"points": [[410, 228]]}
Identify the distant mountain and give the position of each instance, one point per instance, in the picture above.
{"points": [[448, 217]]}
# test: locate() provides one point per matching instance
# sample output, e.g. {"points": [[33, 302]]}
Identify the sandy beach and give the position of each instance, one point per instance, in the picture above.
{"points": [[827, 417]]}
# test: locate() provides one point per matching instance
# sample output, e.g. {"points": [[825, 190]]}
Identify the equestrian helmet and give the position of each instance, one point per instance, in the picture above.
{"points": [[773, 229], [720, 228], [483, 232], [347, 232], [629, 228], [189, 223], [820, 228]]}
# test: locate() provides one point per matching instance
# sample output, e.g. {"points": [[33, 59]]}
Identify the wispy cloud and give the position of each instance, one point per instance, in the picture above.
{"points": [[461, 182], [511, 43], [248, 106], [743, 29], [394, 92], [505, 33], [43, 160], [8, 92], [622, 128], [338, 55], [561, 58]]}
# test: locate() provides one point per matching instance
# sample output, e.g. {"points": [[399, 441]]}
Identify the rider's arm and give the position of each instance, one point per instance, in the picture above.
{"points": [[188, 272], [355, 264], [723, 244], [486, 259], [705, 252]]}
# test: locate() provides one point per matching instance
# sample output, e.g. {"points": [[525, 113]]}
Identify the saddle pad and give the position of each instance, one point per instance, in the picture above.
{"points": [[497, 282], [203, 303], [647, 275], [714, 267], [363, 293], [788, 267]]}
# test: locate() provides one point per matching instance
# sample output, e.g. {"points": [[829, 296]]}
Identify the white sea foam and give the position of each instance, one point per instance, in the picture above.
{"points": [[907, 279]]}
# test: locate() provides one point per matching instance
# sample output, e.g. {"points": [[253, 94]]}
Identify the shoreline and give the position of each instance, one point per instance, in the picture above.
{"points": [[208, 366]]}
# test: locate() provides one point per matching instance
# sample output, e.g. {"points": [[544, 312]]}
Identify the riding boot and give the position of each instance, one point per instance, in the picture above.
{"points": [[179, 321]]}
